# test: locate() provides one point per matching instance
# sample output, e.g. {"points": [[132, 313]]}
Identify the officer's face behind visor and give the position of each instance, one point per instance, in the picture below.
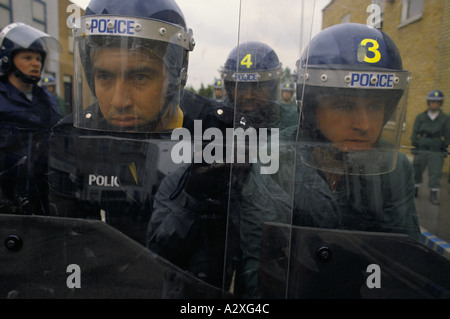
{"points": [[351, 123], [130, 85], [351, 131], [254, 100]]}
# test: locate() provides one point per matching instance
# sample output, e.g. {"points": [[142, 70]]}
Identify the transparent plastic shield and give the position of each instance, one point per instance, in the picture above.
{"points": [[265, 193], [67, 258], [353, 199], [332, 219], [240, 202], [129, 73]]}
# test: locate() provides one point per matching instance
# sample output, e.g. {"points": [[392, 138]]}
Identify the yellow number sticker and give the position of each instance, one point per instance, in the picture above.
{"points": [[373, 49], [247, 61]]}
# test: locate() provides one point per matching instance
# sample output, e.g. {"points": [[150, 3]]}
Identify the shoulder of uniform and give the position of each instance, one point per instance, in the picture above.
{"points": [[200, 107], [223, 113]]}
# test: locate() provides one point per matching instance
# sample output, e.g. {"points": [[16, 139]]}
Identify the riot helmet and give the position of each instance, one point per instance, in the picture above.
{"points": [[48, 80], [287, 91], [218, 90], [287, 86], [131, 65], [17, 37], [435, 95], [251, 77], [352, 91]]}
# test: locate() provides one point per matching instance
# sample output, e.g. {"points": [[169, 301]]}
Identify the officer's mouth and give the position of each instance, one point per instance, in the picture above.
{"points": [[356, 145], [125, 121]]}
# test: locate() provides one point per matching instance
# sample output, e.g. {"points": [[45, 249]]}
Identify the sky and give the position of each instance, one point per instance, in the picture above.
{"points": [[219, 25]]}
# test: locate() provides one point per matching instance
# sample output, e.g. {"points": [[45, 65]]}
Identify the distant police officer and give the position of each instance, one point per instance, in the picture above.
{"points": [[49, 82], [287, 94], [26, 116], [219, 94], [107, 158], [430, 137]]}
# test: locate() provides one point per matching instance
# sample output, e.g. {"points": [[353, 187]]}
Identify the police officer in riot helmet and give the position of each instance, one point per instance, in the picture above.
{"points": [[134, 74], [287, 94], [196, 212], [349, 174], [353, 108], [219, 94], [251, 76], [131, 61], [27, 114]]}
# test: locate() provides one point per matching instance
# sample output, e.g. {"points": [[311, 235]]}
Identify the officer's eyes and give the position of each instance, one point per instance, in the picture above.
{"points": [[103, 76], [343, 106], [139, 77], [30, 57], [348, 106]]}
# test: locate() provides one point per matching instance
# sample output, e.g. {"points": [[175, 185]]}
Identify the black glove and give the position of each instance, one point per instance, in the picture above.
{"points": [[208, 181]]}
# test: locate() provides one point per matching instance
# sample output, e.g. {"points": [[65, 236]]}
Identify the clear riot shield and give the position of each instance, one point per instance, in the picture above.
{"points": [[230, 208], [75, 258], [253, 74], [351, 229], [124, 207]]}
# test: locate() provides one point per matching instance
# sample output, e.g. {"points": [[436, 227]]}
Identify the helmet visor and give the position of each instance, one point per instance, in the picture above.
{"points": [[129, 77], [351, 121], [24, 36]]}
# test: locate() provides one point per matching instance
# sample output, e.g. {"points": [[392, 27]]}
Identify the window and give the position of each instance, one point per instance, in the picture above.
{"points": [[346, 18], [5, 13], [39, 11], [411, 11]]}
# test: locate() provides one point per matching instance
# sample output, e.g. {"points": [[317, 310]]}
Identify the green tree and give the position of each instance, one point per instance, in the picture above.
{"points": [[206, 91], [190, 88], [286, 76]]}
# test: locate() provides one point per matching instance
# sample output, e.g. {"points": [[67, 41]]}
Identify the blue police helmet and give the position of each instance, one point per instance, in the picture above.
{"points": [[352, 46], [48, 80], [163, 10], [351, 56], [252, 62], [435, 95], [287, 86], [252, 57], [350, 59], [155, 26]]}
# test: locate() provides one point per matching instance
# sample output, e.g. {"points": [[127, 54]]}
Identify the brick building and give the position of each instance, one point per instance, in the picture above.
{"points": [[421, 30]]}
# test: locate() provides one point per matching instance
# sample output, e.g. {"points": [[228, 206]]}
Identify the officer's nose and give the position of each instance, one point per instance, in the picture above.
{"points": [[121, 95], [246, 93], [37, 62], [361, 118]]}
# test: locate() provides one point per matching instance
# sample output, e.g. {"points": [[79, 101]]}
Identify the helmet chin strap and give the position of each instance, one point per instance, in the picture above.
{"points": [[26, 78]]}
